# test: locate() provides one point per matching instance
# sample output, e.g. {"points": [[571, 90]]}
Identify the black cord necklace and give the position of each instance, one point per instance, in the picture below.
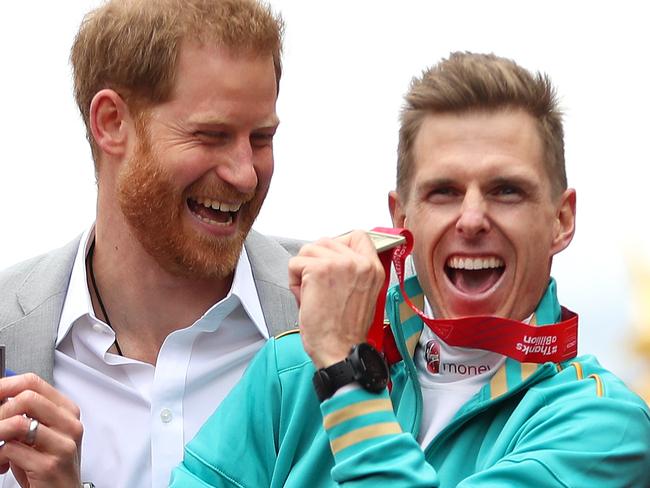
{"points": [[89, 263]]}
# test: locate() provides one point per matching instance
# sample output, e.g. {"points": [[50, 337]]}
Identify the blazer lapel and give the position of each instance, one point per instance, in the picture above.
{"points": [[269, 262], [30, 338]]}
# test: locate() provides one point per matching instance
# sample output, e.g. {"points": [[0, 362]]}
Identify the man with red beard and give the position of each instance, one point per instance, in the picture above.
{"points": [[129, 337], [487, 393]]}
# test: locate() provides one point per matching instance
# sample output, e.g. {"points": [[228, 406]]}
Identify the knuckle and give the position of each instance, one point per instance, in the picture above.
{"points": [[68, 450], [324, 241], [307, 249], [76, 411], [32, 380], [24, 401], [77, 432], [365, 267], [51, 464], [18, 423], [29, 397], [343, 262]]}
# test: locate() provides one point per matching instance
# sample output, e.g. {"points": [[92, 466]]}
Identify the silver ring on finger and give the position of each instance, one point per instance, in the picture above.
{"points": [[30, 438]]}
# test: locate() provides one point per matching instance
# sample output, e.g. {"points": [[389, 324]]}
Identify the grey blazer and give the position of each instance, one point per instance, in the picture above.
{"points": [[32, 295]]}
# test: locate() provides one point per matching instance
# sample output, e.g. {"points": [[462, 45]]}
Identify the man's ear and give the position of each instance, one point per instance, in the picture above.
{"points": [[396, 208], [110, 122], [565, 221]]}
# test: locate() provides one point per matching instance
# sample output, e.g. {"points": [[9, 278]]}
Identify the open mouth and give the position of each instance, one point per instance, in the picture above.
{"points": [[212, 211], [474, 275]]}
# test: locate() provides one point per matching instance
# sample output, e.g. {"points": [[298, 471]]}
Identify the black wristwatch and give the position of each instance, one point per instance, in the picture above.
{"points": [[364, 365]]}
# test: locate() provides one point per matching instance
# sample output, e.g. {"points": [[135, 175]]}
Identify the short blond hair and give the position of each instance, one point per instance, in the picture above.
{"points": [[467, 82], [132, 46]]}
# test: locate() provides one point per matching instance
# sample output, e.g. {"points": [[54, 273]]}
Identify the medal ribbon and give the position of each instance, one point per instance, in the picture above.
{"points": [[523, 342]]}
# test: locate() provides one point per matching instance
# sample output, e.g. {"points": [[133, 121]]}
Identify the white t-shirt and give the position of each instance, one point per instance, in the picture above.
{"points": [[137, 417], [449, 377]]}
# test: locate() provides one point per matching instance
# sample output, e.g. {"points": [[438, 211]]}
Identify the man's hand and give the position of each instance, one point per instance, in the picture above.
{"points": [[336, 283], [53, 458]]}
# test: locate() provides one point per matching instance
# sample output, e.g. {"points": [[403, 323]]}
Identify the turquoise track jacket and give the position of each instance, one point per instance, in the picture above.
{"points": [[533, 425]]}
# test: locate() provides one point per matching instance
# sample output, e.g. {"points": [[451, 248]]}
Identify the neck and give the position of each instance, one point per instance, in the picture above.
{"points": [[144, 301]]}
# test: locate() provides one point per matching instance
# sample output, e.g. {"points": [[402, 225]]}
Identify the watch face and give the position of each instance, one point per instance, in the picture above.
{"points": [[373, 371]]}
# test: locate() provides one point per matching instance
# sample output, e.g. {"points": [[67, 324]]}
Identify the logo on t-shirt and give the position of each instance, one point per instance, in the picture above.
{"points": [[432, 357], [465, 369]]}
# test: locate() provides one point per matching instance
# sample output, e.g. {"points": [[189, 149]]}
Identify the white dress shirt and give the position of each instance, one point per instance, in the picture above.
{"points": [[137, 417]]}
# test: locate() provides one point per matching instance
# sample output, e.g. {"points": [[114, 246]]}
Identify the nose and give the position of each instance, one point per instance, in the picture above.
{"points": [[473, 219], [239, 168]]}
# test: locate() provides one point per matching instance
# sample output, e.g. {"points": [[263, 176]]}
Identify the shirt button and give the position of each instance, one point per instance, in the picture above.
{"points": [[98, 327], [166, 415]]}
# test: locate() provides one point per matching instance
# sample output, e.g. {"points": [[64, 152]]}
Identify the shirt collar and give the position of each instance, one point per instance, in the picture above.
{"points": [[77, 299], [78, 302], [243, 287]]}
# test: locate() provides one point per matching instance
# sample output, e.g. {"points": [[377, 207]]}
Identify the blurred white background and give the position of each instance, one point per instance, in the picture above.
{"points": [[346, 66]]}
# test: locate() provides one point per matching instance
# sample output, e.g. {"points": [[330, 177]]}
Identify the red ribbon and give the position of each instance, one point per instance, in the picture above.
{"points": [[517, 340]]}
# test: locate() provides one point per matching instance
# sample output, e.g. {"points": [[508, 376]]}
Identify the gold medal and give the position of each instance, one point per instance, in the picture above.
{"points": [[383, 241]]}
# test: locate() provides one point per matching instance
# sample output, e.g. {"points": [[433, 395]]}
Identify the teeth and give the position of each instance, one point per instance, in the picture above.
{"points": [[216, 205], [232, 207], [456, 262], [214, 222]]}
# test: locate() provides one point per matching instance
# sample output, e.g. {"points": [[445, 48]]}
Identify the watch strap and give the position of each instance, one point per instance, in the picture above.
{"points": [[328, 380]]}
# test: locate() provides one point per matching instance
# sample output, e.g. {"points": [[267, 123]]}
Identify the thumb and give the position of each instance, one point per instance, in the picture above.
{"points": [[296, 268]]}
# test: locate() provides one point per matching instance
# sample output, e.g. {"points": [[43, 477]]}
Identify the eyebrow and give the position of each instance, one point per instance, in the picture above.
{"points": [[516, 180], [434, 183], [208, 120]]}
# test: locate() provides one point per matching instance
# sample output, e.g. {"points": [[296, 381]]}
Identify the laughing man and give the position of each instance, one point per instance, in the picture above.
{"points": [[140, 328], [482, 187]]}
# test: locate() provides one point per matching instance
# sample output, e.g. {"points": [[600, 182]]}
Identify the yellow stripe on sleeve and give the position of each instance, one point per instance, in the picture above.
{"points": [[599, 384], [578, 368], [363, 434], [356, 410]]}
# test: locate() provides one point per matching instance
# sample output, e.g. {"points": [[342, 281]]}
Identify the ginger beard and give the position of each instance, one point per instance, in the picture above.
{"points": [[155, 209]]}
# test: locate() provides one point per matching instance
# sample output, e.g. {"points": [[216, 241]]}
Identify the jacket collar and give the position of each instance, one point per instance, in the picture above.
{"points": [[48, 278], [30, 337], [512, 376], [269, 261]]}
